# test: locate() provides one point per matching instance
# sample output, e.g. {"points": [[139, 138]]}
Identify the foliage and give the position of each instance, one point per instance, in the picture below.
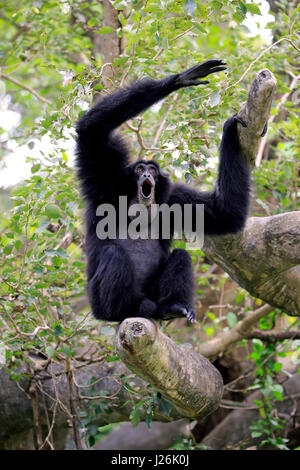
{"points": [[266, 370], [50, 62]]}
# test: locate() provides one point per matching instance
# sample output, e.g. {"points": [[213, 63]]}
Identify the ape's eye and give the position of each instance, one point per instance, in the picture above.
{"points": [[139, 170], [152, 170]]}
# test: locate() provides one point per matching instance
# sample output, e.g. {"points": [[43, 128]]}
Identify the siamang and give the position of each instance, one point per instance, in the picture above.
{"points": [[140, 277]]}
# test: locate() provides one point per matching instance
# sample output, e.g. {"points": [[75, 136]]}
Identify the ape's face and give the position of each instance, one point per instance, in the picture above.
{"points": [[146, 175], [151, 184]]}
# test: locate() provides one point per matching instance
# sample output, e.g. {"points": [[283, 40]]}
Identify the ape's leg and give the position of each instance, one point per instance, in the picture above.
{"points": [[176, 287], [113, 290]]}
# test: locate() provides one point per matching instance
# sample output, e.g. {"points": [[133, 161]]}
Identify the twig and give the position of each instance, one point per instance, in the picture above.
{"points": [[32, 391], [20, 332], [26, 87], [259, 57], [50, 426], [73, 409], [137, 130], [273, 336], [241, 331], [184, 32], [162, 124]]}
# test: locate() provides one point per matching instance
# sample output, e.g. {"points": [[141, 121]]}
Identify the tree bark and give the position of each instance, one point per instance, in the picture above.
{"points": [[255, 113], [110, 45], [264, 259], [16, 411]]}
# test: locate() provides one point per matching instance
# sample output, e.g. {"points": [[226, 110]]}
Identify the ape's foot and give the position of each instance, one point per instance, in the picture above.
{"points": [[179, 311]]}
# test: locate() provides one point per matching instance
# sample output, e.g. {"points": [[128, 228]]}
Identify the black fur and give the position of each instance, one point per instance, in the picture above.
{"points": [[128, 278]]}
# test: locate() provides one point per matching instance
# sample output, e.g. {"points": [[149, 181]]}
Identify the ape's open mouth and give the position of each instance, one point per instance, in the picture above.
{"points": [[146, 189]]}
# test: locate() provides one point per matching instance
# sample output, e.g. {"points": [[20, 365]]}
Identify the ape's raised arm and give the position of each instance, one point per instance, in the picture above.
{"points": [[225, 208], [101, 155], [126, 103]]}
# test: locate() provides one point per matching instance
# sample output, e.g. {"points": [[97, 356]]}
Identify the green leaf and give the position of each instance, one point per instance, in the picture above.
{"points": [[65, 156], [200, 28], [105, 30], [50, 351], [231, 319], [243, 8], [128, 387], [35, 168], [215, 98], [67, 350], [58, 331], [277, 367], [8, 249], [209, 331], [135, 417], [112, 358], [52, 211], [252, 8], [120, 61], [18, 244], [238, 16], [278, 395], [148, 420]]}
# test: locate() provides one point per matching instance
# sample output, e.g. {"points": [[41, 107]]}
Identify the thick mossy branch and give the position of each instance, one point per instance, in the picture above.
{"points": [[264, 259], [186, 379]]}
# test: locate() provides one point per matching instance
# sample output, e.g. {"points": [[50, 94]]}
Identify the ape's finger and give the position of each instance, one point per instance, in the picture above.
{"points": [[214, 70], [212, 63], [200, 82], [199, 71]]}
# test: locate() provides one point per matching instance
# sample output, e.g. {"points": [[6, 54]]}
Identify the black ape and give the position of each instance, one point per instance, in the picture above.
{"points": [[130, 278]]}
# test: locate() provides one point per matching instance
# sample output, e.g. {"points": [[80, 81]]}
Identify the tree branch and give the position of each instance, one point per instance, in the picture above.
{"points": [[281, 102], [242, 330], [186, 379], [264, 259], [274, 336], [255, 113], [26, 87]]}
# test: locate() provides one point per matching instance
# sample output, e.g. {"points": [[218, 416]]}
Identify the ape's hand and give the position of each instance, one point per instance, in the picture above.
{"points": [[188, 78]]}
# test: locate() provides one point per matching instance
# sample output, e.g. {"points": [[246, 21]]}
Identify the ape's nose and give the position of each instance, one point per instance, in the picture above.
{"points": [[147, 174]]}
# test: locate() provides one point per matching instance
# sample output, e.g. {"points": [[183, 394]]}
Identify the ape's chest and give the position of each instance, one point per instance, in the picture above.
{"points": [[146, 256]]}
